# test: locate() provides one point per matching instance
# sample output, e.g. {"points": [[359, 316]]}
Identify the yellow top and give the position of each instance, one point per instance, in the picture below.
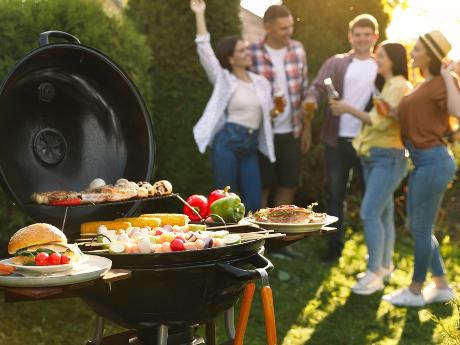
{"points": [[384, 131]]}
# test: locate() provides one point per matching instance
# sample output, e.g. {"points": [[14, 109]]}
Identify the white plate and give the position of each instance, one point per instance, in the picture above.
{"points": [[38, 269], [294, 228], [91, 268], [49, 269]]}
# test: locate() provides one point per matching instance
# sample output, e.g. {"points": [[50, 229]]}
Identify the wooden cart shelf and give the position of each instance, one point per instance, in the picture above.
{"points": [[20, 294]]}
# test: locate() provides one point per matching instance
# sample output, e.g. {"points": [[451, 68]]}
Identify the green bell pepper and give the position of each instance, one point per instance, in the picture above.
{"points": [[230, 208]]}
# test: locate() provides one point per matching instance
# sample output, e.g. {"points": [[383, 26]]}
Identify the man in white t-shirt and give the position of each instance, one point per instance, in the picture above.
{"points": [[353, 75], [283, 62]]}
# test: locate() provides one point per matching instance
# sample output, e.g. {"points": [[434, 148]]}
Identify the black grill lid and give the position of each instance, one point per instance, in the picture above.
{"points": [[69, 114]]}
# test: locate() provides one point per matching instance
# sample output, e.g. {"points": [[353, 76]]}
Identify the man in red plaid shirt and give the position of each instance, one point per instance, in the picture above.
{"points": [[283, 62]]}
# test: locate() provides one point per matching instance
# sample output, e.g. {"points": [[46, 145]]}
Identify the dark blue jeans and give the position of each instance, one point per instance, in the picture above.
{"points": [[384, 170], [434, 168], [341, 163], [235, 163]]}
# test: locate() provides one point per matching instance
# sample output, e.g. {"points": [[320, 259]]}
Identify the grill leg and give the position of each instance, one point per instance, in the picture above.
{"points": [[162, 335], [98, 333], [229, 318]]}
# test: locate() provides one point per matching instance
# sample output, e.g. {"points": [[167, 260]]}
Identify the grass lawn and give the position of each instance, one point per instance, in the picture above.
{"points": [[313, 307]]}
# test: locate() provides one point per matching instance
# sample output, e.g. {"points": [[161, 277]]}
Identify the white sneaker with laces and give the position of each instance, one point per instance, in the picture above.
{"points": [[432, 294], [404, 298], [368, 284]]}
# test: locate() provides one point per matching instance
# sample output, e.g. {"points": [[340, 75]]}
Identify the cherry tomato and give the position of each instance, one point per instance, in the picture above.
{"points": [[177, 245], [54, 259], [41, 259], [65, 259]]}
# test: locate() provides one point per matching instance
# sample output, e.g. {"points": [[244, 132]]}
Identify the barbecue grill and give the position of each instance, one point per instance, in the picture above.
{"points": [[68, 114]]}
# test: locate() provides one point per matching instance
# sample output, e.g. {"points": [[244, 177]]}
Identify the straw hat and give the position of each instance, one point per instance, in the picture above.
{"points": [[437, 43]]}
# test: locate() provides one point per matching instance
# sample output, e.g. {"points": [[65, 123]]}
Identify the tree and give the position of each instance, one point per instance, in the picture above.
{"points": [[322, 26], [179, 85]]}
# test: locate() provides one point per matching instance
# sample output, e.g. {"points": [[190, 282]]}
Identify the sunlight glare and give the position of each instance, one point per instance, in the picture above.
{"points": [[422, 16], [258, 6]]}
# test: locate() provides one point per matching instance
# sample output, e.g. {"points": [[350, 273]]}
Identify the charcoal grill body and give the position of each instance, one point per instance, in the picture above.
{"points": [[181, 294], [69, 114]]}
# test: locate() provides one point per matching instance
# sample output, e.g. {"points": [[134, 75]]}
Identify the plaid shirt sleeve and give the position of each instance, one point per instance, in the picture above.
{"points": [[296, 73], [305, 78]]}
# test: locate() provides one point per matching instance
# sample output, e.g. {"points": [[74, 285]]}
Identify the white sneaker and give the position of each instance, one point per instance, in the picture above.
{"points": [[368, 284], [432, 294], [384, 272], [404, 298]]}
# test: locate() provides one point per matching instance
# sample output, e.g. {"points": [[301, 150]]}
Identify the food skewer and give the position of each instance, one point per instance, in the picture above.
{"points": [[93, 234], [187, 204], [262, 236], [244, 238], [223, 227]]}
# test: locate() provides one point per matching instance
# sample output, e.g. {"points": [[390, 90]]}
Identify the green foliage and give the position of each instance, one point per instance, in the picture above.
{"points": [[21, 22], [180, 87], [451, 327], [322, 26]]}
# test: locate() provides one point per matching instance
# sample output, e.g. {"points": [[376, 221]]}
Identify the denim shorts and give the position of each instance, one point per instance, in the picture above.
{"points": [[241, 140]]}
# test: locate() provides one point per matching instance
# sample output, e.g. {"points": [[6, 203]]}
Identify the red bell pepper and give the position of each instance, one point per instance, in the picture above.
{"points": [[200, 204], [68, 202], [218, 194]]}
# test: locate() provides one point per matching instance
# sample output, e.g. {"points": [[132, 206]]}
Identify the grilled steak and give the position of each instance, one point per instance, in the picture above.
{"points": [[288, 214]]}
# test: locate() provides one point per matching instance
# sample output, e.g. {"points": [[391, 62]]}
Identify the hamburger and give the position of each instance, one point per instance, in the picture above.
{"points": [[37, 238]]}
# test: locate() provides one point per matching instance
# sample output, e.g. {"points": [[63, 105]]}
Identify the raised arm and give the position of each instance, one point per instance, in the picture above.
{"points": [[207, 56], [453, 91], [199, 8]]}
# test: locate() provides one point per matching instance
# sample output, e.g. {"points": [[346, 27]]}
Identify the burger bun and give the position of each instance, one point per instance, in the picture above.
{"points": [[35, 234]]}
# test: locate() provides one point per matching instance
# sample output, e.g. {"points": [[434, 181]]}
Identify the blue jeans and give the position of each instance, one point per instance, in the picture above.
{"points": [[235, 163], [383, 171], [434, 168]]}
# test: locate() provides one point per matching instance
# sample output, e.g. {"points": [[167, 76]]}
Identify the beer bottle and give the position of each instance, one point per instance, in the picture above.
{"points": [[332, 93]]}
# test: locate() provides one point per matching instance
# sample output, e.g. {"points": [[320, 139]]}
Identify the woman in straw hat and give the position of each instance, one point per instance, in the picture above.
{"points": [[424, 119]]}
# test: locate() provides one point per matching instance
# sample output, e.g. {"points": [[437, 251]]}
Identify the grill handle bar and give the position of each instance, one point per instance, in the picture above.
{"points": [[44, 38], [258, 261]]}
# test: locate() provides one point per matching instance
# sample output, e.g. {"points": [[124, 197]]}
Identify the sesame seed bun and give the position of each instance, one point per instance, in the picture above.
{"points": [[35, 234]]}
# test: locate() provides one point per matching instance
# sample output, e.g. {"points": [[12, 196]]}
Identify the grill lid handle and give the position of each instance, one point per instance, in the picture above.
{"points": [[45, 37]]}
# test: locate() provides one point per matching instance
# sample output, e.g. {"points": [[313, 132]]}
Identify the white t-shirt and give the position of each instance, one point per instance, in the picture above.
{"points": [[283, 122], [357, 89], [244, 107]]}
